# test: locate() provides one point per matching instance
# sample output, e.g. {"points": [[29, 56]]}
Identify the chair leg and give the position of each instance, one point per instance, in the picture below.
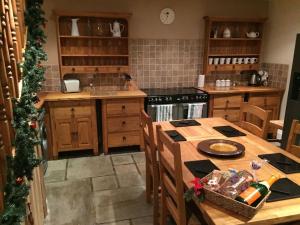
{"points": [[155, 203], [163, 209], [148, 183]]}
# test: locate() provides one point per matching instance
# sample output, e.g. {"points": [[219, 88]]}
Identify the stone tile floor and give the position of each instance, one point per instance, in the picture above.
{"points": [[107, 190]]}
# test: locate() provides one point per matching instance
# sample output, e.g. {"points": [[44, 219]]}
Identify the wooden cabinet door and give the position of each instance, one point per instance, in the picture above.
{"points": [[64, 133], [84, 136]]}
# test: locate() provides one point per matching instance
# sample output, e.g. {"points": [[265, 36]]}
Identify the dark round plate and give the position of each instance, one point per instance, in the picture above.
{"points": [[221, 148]]}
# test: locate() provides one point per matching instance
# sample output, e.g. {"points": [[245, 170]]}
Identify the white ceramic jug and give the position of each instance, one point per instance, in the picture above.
{"points": [[227, 33], [252, 34], [116, 29], [75, 31]]}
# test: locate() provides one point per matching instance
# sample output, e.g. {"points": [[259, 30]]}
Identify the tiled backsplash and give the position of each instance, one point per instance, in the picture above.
{"points": [[278, 74], [52, 82], [161, 63]]}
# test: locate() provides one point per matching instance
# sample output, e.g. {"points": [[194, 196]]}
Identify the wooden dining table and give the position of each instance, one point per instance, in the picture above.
{"points": [[272, 212]]}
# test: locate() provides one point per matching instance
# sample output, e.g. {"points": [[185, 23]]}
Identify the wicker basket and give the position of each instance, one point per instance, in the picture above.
{"points": [[233, 205]]}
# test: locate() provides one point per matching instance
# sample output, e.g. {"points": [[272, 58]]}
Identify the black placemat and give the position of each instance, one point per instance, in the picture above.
{"points": [[229, 131], [175, 135], [284, 189], [282, 162], [185, 123], [201, 168]]}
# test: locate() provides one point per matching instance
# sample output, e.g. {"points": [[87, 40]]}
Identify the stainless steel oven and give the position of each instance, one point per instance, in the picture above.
{"points": [[176, 103]]}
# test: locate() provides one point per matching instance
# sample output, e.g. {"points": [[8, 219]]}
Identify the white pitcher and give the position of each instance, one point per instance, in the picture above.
{"points": [[116, 29], [75, 31]]}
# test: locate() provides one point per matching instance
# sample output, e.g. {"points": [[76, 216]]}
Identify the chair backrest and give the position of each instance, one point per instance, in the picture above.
{"points": [[294, 132], [171, 177], [247, 111], [150, 149]]}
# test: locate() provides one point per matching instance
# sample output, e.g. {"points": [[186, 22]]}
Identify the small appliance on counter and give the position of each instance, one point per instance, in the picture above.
{"points": [[259, 78], [71, 86]]}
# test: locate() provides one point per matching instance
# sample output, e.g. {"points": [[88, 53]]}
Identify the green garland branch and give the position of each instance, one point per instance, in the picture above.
{"points": [[20, 167]]}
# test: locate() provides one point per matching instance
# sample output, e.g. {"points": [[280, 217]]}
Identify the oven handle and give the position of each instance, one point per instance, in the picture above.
{"points": [[154, 106]]}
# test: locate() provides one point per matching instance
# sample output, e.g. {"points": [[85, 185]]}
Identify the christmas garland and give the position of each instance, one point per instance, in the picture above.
{"points": [[20, 167]]}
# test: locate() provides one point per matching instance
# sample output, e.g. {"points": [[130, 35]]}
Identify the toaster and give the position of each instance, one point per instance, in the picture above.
{"points": [[72, 85]]}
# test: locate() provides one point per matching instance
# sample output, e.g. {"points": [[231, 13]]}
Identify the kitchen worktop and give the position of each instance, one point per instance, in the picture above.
{"points": [[85, 95], [239, 89]]}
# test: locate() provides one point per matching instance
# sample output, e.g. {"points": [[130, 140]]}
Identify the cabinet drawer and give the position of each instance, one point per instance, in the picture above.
{"points": [[65, 112], [265, 100], [232, 115], [123, 139], [125, 107], [94, 69], [232, 101], [123, 124]]}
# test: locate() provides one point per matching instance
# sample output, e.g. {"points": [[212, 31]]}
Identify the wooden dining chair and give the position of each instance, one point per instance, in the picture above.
{"points": [[248, 114], [172, 187], [294, 132], [152, 167]]}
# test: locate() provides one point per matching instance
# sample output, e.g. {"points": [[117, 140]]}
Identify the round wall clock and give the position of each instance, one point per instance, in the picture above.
{"points": [[167, 16]]}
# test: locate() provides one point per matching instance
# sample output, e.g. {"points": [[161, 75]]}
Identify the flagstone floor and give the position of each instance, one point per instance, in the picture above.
{"points": [[108, 190]]}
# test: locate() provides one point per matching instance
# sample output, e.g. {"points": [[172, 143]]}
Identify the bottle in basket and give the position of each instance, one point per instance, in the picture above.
{"points": [[256, 191]]}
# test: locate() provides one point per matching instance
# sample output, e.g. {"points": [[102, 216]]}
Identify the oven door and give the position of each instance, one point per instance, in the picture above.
{"points": [[192, 110], [165, 112]]}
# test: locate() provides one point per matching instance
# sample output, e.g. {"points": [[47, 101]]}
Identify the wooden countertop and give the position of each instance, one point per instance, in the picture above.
{"points": [[271, 212], [239, 89], [85, 95]]}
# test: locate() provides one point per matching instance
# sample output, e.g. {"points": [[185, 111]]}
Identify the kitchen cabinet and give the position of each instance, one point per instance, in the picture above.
{"points": [[267, 101], [226, 106], [73, 126], [96, 49], [121, 122], [239, 43]]}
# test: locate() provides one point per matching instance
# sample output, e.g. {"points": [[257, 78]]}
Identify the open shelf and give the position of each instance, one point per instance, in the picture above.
{"points": [[235, 39], [232, 54], [95, 50], [232, 67], [237, 45], [91, 55], [91, 37]]}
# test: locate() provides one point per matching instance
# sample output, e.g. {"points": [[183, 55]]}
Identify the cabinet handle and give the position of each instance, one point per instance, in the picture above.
{"points": [[123, 123], [227, 102], [118, 68], [73, 69], [226, 117], [123, 107], [97, 69], [72, 109], [124, 138], [265, 101]]}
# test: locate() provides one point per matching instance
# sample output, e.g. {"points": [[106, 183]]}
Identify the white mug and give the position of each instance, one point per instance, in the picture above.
{"points": [[234, 60], [216, 61], [210, 61], [222, 60], [218, 83], [223, 83], [246, 60], [240, 60], [253, 60], [228, 83], [228, 60]]}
